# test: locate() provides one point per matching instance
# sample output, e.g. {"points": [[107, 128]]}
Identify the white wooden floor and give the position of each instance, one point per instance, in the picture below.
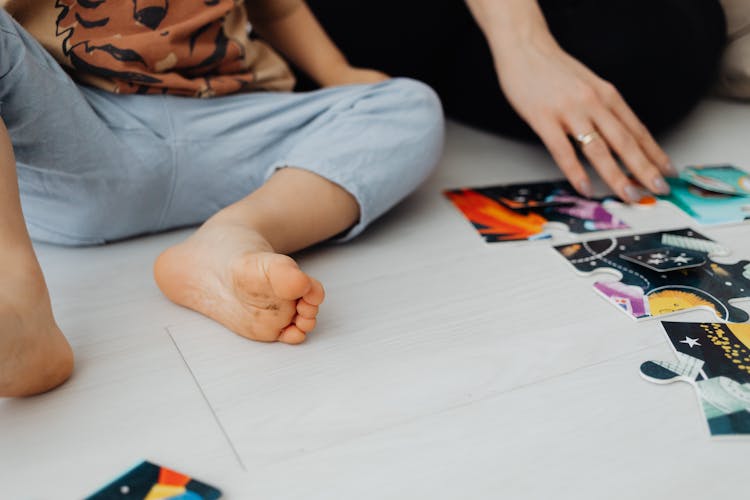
{"points": [[442, 367]]}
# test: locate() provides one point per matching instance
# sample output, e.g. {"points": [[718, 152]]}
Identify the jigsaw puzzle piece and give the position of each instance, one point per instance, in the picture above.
{"points": [[528, 211], [715, 359], [725, 179], [707, 207], [687, 368], [643, 291], [494, 221]]}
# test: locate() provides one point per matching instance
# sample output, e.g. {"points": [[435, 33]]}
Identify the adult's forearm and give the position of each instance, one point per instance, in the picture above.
{"points": [[506, 24]]}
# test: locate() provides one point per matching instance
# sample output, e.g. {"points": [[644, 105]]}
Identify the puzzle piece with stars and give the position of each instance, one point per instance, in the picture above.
{"points": [[715, 359], [663, 273]]}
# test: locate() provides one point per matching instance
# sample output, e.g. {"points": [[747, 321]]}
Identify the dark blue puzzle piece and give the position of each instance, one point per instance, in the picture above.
{"points": [[645, 293], [715, 359]]}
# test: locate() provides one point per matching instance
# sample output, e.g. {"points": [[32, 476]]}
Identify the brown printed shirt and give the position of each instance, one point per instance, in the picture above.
{"points": [[187, 47]]}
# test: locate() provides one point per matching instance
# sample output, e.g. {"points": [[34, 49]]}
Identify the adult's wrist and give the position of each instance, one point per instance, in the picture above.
{"points": [[510, 26]]}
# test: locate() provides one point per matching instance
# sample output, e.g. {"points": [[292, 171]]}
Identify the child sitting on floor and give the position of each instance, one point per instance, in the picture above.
{"points": [[101, 103]]}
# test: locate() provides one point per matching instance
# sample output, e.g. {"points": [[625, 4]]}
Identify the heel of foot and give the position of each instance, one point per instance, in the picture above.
{"points": [[43, 362]]}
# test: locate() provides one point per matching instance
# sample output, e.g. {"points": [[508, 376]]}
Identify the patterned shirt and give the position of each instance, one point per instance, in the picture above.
{"points": [[195, 48]]}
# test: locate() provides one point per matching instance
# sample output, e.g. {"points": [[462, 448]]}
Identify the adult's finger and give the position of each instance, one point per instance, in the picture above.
{"points": [[557, 143], [640, 133], [598, 153], [630, 151]]}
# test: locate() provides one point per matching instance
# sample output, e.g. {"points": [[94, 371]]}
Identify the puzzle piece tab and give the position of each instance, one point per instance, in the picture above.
{"points": [[715, 359], [644, 292], [526, 211]]}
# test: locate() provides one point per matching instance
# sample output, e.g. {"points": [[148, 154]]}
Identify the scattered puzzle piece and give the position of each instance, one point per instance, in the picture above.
{"points": [[148, 481], [526, 211], [715, 359], [714, 194], [644, 292], [726, 179], [708, 207]]}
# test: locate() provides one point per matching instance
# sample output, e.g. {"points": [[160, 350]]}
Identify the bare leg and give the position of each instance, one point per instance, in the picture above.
{"points": [[234, 268], [34, 355]]}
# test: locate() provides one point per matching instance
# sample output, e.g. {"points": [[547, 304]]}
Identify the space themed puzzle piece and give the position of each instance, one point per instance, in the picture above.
{"points": [[663, 273], [149, 481], [711, 194], [529, 211], [715, 359]]}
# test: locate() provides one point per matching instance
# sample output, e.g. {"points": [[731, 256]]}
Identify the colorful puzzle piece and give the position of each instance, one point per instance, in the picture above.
{"points": [[726, 179], [715, 359], [708, 207], [148, 481], [525, 211], [714, 194], [644, 292]]}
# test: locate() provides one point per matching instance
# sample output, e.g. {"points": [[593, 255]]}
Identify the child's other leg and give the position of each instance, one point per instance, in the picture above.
{"points": [[34, 355], [74, 180], [362, 151]]}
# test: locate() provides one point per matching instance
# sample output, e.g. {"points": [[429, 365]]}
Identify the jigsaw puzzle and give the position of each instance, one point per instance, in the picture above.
{"points": [[526, 211], [715, 359], [149, 481], [715, 194], [663, 273]]}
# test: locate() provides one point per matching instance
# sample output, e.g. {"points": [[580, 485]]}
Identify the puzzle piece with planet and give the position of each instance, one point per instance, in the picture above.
{"points": [[715, 359], [663, 273]]}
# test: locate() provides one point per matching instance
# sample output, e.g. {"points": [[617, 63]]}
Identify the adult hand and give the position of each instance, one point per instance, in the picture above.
{"points": [[560, 98]]}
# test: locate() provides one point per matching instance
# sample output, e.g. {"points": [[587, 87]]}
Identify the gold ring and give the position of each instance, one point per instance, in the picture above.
{"points": [[584, 139]]}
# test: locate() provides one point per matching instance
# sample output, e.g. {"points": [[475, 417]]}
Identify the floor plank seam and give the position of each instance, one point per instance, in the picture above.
{"points": [[208, 403]]}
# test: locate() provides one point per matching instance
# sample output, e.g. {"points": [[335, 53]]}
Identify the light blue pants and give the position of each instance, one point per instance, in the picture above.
{"points": [[95, 167]]}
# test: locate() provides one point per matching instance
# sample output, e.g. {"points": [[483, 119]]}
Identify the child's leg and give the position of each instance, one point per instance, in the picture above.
{"points": [[34, 355], [352, 153], [67, 164]]}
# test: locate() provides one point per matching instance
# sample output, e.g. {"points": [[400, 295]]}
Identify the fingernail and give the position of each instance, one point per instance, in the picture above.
{"points": [[671, 170], [660, 186], [632, 193], [584, 187]]}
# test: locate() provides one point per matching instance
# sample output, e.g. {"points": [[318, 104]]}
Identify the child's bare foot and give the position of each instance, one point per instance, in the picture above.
{"points": [[34, 355], [231, 274]]}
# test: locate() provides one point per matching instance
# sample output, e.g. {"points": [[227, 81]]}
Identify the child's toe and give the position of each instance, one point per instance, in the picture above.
{"points": [[292, 335]]}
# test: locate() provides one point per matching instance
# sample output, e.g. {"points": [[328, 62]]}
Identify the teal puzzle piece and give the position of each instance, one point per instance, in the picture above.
{"points": [[712, 194], [707, 207]]}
